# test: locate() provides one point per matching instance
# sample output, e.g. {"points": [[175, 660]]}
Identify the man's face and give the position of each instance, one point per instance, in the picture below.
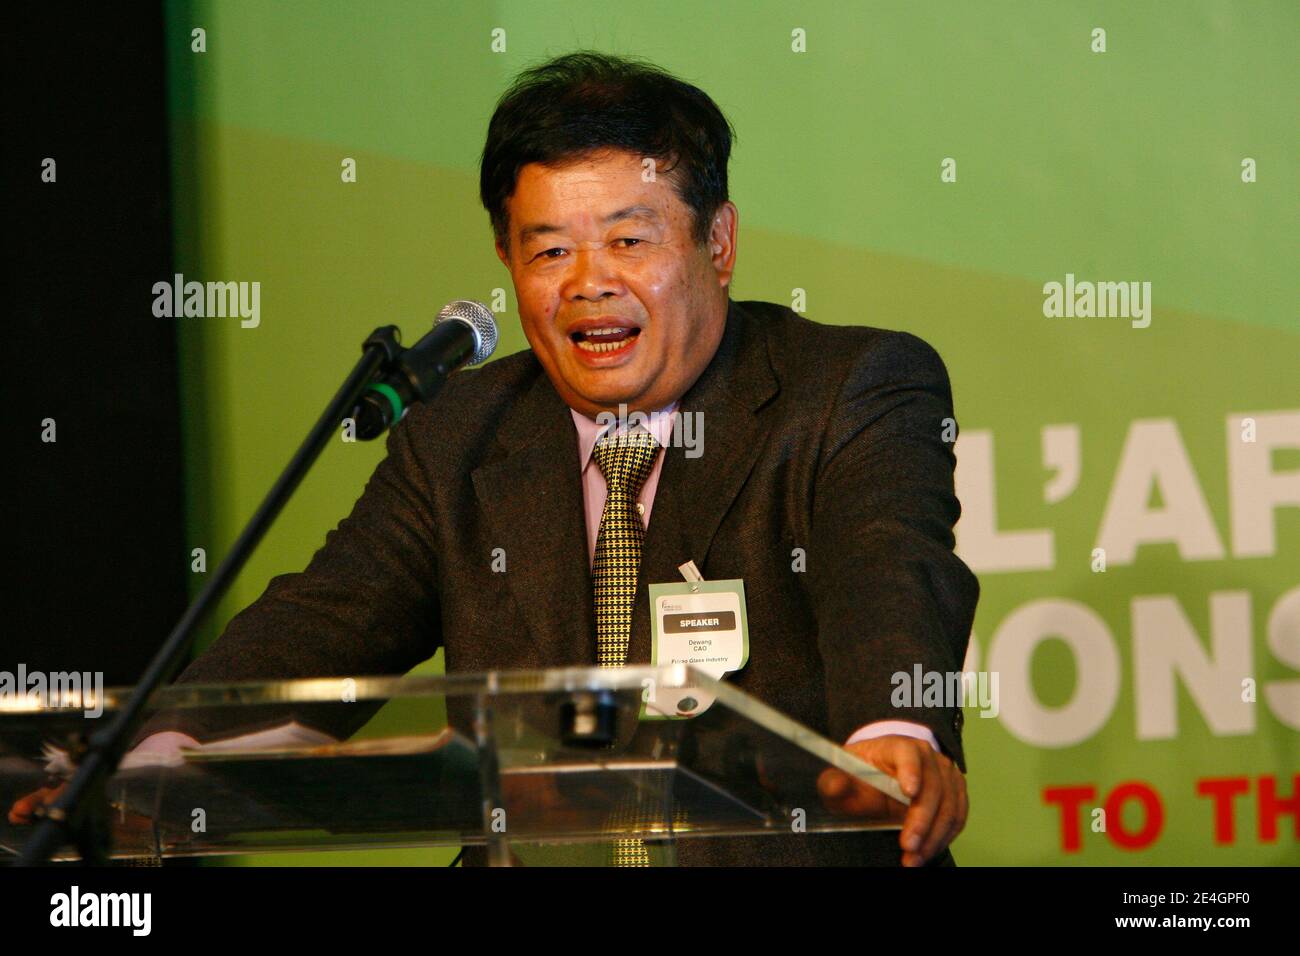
{"points": [[618, 301]]}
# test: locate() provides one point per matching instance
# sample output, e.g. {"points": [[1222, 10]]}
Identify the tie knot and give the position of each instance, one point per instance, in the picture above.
{"points": [[626, 460]]}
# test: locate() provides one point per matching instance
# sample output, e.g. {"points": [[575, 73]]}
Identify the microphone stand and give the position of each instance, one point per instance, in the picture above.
{"points": [[80, 813]]}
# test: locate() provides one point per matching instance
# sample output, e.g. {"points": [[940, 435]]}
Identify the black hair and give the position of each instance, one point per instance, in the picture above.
{"points": [[584, 103]]}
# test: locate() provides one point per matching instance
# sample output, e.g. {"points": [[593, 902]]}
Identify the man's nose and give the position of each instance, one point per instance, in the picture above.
{"points": [[592, 276]]}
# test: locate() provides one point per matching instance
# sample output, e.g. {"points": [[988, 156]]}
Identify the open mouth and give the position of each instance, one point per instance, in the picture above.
{"points": [[602, 341]]}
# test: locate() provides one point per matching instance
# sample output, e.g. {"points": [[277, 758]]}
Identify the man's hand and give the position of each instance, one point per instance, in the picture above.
{"points": [[23, 811], [931, 781]]}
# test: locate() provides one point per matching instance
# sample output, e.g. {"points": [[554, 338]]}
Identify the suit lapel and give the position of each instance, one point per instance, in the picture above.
{"points": [[532, 497], [694, 494]]}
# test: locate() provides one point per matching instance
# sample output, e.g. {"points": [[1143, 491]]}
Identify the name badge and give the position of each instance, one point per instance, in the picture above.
{"points": [[701, 623]]}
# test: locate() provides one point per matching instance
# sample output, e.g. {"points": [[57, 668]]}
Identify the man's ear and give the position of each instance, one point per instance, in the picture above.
{"points": [[502, 254], [722, 241]]}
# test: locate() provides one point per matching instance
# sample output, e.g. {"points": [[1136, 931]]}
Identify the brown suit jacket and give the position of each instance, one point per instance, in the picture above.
{"points": [[825, 438]]}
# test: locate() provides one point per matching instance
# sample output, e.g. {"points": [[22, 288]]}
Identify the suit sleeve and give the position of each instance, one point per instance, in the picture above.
{"points": [[888, 591], [366, 604]]}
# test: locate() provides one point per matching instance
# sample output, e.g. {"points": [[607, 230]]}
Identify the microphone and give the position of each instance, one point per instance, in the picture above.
{"points": [[464, 334]]}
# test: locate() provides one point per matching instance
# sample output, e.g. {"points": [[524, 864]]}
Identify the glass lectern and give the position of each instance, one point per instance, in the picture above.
{"points": [[537, 767]]}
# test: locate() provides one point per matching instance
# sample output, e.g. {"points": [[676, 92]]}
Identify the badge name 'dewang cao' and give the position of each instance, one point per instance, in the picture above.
{"points": [[700, 623]]}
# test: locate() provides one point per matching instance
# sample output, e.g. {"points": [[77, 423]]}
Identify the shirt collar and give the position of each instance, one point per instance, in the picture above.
{"points": [[590, 431]]}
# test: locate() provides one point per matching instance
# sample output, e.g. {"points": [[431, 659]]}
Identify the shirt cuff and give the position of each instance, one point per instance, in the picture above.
{"points": [[164, 742], [904, 728]]}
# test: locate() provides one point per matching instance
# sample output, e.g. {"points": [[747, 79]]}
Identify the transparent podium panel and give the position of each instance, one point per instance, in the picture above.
{"points": [[585, 766]]}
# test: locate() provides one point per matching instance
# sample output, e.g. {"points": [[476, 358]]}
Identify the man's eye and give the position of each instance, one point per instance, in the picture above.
{"points": [[630, 241], [547, 253]]}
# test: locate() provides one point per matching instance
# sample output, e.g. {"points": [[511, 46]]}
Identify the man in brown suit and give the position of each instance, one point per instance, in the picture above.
{"points": [[606, 183]]}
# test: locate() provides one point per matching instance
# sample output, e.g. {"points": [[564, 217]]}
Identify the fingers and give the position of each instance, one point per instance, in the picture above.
{"points": [[949, 818], [942, 828], [925, 807], [846, 796], [24, 809], [909, 767], [963, 806], [832, 783]]}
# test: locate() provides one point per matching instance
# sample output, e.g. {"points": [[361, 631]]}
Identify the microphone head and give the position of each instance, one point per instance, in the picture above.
{"points": [[479, 318]]}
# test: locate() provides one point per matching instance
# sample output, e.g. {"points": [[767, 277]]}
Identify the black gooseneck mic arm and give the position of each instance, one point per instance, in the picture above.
{"points": [[80, 813]]}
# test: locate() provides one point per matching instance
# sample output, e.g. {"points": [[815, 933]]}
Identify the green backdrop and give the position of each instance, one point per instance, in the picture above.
{"points": [[1123, 165]]}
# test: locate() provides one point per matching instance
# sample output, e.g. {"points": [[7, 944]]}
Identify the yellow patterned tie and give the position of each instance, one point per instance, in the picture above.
{"points": [[626, 461]]}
